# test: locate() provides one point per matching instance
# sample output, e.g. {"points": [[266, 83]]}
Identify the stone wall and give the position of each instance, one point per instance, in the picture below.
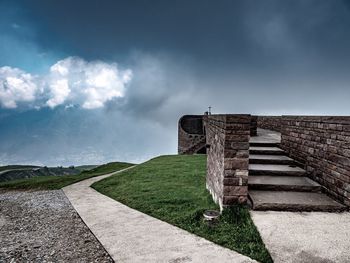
{"points": [[254, 126], [270, 122], [322, 145], [227, 138], [191, 137]]}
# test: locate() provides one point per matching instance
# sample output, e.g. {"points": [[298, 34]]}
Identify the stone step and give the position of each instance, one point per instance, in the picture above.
{"points": [[293, 201], [275, 170], [266, 150], [263, 144], [269, 159], [283, 183]]}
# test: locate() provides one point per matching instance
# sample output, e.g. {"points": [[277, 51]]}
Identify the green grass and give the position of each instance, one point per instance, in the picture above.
{"points": [[85, 167], [172, 188], [57, 182]]}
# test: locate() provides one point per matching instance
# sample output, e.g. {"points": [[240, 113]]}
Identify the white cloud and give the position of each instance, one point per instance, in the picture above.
{"points": [[91, 83], [16, 86], [59, 92], [71, 81]]}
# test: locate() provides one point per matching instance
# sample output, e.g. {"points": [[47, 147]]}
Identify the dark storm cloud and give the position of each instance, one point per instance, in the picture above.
{"points": [[264, 57], [218, 30], [236, 48]]}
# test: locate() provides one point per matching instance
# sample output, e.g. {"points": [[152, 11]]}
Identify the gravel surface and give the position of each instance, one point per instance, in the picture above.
{"points": [[42, 226]]}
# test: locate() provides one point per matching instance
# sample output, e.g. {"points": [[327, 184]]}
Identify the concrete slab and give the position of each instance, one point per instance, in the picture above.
{"points": [[131, 236], [293, 201], [266, 150], [269, 159], [266, 136], [312, 237], [283, 183], [275, 169]]}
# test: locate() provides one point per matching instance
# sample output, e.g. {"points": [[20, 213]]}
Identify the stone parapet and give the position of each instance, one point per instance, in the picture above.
{"points": [[270, 122], [322, 145], [254, 126]]}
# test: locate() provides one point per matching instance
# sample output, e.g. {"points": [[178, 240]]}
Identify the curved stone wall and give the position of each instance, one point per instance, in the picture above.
{"points": [[191, 136]]}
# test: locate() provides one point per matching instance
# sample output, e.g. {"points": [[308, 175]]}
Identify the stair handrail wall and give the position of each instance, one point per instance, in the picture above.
{"points": [[322, 145]]}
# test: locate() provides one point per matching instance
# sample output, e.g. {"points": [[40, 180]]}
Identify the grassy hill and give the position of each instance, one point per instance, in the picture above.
{"points": [[28, 172], [172, 188], [17, 167], [86, 167], [15, 172], [61, 180]]}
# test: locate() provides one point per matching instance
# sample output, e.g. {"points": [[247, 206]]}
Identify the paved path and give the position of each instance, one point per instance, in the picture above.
{"points": [[131, 236], [305, 237], [267, 136]]}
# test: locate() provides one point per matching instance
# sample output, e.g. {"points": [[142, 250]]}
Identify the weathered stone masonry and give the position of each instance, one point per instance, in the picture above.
{"points": [[227, 138], [191, 133], [254, 126], [322, 145], [270, 122]]}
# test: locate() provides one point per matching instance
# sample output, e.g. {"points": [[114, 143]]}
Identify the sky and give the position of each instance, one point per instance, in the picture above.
{"points": [[91, 81]]}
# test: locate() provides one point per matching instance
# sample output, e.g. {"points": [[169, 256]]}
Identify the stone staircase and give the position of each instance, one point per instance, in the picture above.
{"points": [[276, 183], [197, 145]]}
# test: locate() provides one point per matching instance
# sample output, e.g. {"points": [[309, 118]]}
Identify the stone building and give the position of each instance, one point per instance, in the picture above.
{"points": [[273, 162]]}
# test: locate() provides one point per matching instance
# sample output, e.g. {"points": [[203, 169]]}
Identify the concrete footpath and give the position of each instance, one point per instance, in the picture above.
{"points": [[131, 236], [313, 237]]}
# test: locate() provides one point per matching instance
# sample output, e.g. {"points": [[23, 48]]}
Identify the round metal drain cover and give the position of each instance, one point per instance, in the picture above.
{"points": [[211, 214]]}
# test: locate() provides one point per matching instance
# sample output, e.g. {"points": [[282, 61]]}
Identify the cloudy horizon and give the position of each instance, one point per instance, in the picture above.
{"points": [[84, 82]]}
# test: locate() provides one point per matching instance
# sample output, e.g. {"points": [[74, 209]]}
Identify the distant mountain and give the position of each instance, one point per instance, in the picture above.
{"points": [[86, 167], [16, 167], [12, 172]]}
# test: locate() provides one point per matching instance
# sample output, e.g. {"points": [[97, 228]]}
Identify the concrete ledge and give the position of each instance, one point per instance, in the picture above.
{"points": [[311, 237]]}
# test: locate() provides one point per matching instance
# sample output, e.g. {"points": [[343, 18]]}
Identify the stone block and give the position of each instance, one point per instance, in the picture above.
{"points": [[236, 181], [236, 163], [242, 173], [229, 173], [230, 190], [232, 200], [236, 153], [239, 145], [237, 138], [242, 154]]}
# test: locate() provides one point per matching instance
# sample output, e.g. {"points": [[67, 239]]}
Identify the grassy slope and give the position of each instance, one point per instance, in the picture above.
{"points": [[172, 188], [57, 182], [85, 167]]}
